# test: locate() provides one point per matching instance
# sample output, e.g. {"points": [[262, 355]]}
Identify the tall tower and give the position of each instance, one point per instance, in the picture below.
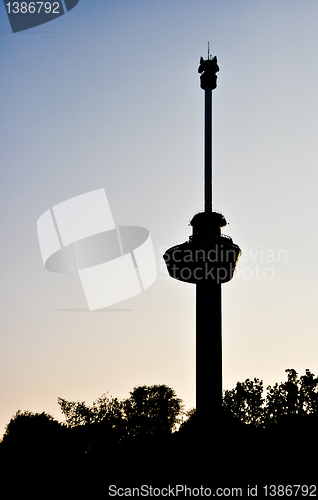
{"points": [[207, 259]]}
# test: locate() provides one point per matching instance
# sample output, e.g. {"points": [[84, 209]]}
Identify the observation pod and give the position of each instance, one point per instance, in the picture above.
{"points": [[208, 255]]}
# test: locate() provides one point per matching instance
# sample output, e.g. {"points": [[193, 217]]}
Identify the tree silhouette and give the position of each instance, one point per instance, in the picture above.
{"points": [[33, 437], [309, 393], [94, 427], [78, 413], [246, 401], [150, 413], [30, 427], [297, 397], [129, 438], [148, 410], [282, 399], [152, 410]]}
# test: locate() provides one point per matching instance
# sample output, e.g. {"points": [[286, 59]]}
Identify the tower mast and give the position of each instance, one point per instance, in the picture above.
{"points": [[208, 68]]}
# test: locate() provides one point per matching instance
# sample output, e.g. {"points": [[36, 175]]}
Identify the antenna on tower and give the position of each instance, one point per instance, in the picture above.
{"points": [[208, 50]]}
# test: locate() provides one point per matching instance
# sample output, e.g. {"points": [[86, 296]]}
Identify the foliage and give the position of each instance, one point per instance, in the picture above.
{"points": [[32, 434], [155, 412], [246, 401], [126, 441], [149, 410], [152, 410], [295, 397], [78, 413], [26, 421]]}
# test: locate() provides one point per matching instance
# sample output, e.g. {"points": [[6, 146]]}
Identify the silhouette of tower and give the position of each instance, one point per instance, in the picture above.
{"points": [[207, 259]]}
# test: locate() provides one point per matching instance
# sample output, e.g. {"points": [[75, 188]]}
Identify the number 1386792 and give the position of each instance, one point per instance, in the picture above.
{"points": [[33, 7], [295, 490]]}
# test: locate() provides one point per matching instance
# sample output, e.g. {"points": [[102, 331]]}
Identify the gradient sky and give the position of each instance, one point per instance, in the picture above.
{"points": [[108, 96]]}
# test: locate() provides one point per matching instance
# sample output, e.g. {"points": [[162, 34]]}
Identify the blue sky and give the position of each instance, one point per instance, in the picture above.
{"points": [[108, 96]]}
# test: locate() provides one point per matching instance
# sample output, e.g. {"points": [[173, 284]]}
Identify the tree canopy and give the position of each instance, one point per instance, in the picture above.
{"points": [[248, 402], [138, 438], [149, 410]]}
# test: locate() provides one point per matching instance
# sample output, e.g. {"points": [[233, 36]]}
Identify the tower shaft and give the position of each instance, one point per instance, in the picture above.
{"points": [[208, 353]]}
